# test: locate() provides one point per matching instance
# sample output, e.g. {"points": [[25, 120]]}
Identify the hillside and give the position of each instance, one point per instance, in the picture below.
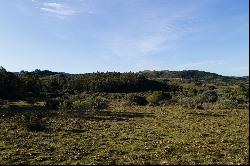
{"points": [[185, 74], [193, 75], [150, 117]]}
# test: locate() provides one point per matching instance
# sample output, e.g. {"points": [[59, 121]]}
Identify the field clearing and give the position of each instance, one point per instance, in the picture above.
{"points": [[130, 135]]}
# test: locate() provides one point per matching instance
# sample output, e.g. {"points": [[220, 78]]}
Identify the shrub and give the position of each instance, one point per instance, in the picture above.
{"points": [[99, 104], [52, 103], [209, 96], [90, 104], [3, 102], [34, 121], [240, 98], [227, 103], [191, 102], [82, 105], [137, 100], [211, 87], [188, 102], [66, 104], [31, 100], [157, 96]]}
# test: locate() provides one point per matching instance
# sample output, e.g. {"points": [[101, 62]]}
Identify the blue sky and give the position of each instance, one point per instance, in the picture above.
{"points": [[79, 36]]}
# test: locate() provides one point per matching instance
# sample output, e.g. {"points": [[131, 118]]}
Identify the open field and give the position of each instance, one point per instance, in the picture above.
{"points": [[124, 82], [128, 135]]}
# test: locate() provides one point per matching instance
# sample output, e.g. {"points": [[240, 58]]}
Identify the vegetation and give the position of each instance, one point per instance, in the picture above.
{"points": [[156, 97], [137, 100], [150, 117]]}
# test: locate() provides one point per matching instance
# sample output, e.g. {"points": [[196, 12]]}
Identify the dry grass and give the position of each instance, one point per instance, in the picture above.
{"points": [[130, 135]]}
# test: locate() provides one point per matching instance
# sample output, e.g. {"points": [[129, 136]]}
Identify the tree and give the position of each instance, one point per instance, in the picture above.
{"points": [[9, 84], [31, 85]]}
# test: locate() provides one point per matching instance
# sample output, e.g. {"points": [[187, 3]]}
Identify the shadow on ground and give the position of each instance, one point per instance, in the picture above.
{"points": [[206, 114], [107, 115], [92, 115]]}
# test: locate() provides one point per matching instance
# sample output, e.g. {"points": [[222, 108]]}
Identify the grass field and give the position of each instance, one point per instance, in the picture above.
{"points": [[129, 135]]}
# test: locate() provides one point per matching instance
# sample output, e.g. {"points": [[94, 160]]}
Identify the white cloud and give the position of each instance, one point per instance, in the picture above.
{"points": [[163, 36], [65, 9], [59, 10], [135, 47], [149, 33]]}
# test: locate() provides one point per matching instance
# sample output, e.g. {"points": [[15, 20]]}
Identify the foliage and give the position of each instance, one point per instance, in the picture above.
{"points": [[33, 121], [209, 96], [52, 103], [3, 102], [66, 104], [9, 85], [137, 100], [30, 84], [54, 83], [115, 82], [189, 102], [121, 133], [87, 104], [157, 96], [240, 93], [227, 103]]}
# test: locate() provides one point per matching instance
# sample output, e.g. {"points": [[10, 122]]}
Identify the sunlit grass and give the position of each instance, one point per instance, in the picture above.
{"points": [[131, 135], [25, 103]]}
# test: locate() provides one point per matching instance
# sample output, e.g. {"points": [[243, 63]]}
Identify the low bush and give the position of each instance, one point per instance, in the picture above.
{"points": [[188, 102], [240, 98], [209, 96], [34, 121], [52, 103], [137, 100], [88, 104], [157, 96], [191, 102], [81, 105], [227, 103], [3, 102], [66, 104]]}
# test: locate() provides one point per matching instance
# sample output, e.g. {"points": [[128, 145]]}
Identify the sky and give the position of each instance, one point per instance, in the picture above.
{"points": [[81, 36]]}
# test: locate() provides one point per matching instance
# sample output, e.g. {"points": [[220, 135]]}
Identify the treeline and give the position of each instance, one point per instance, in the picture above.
{"points": [[186, 74], [195, 75], [116, 82], [45, 83]]}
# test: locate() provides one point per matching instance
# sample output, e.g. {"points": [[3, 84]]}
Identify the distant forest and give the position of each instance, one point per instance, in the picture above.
{"points": [[48, 84]]}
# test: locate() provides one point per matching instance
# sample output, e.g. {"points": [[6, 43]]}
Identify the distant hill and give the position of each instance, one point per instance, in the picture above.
{"points": [[195, 75], [44, 73], [192, 75]]}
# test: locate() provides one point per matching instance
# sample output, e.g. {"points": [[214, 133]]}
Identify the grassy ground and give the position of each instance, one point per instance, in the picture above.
{"points": [[130, 135]]}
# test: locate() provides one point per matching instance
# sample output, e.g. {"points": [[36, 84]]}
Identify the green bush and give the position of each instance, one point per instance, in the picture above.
{"points": [[209, 96], [66, 104], [99, 104], [211, 87], [82, 105], [33, 121], [188, 102], [240, 93], [137, 100], [240, 98], [227, 103], [3, 102], [200, 101], [52, 103], [191, 102], [157, 96], [87, 104]]}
